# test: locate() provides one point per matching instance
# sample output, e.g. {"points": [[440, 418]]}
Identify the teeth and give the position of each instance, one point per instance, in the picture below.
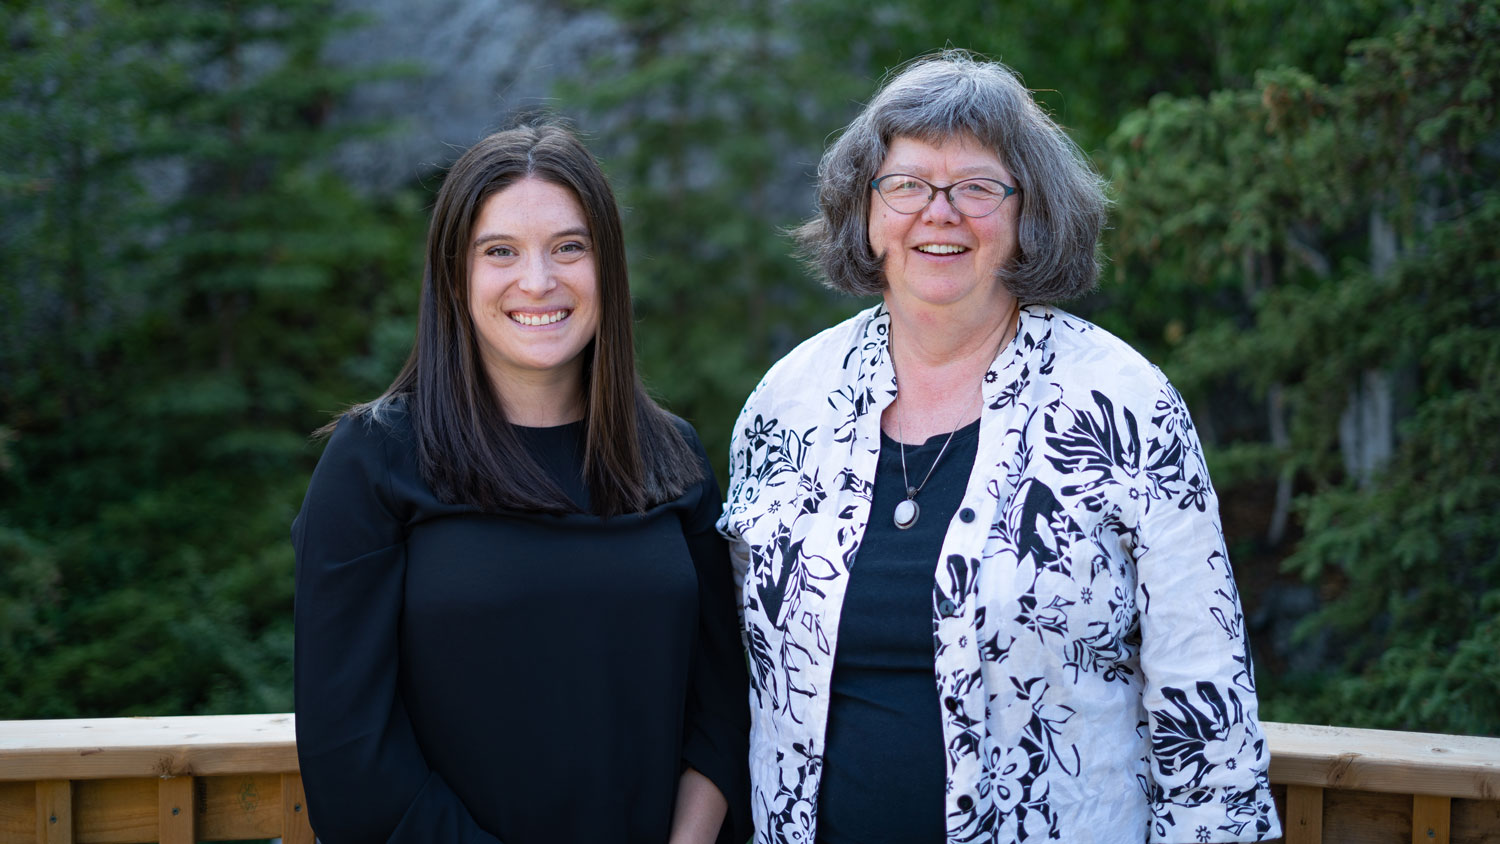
{"points": [[941, 249], [540, 319]]}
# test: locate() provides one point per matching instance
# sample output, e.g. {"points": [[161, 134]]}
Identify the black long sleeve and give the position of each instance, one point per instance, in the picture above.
{"points": [[472, 677], [717, 726], [362, 766]]}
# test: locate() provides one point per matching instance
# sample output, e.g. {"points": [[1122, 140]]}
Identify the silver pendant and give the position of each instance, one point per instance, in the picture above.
{"points": [[906, 514]]}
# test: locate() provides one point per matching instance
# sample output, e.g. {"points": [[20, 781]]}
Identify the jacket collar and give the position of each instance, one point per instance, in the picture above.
{"points": [[873, 375]]}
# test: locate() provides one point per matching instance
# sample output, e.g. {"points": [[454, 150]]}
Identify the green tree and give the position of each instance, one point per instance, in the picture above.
{"points": [[1356, 222], [1304, 236], [714, 116], [710, 132], [193, 290], [60, 148], [1256, 159]]}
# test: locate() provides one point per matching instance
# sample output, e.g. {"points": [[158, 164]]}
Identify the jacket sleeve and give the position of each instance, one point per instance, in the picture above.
{"points": [[739, 460], [717, 730], [1208, 755], [365, 776]]}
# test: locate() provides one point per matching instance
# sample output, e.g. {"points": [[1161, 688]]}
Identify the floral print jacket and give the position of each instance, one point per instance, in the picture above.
{"points": [[1090, 650]]}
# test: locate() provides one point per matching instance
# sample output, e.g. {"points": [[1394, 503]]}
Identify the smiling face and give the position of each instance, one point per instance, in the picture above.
{"points": [[533, 285], [938, 257]]}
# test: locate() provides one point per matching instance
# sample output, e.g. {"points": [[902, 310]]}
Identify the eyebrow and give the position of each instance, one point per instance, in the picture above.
{"points": [[490, 237]]}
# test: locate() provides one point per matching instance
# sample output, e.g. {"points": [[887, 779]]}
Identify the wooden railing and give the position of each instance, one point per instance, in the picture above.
{"points": [[1336, 785], [234, 778], [135, 780]]}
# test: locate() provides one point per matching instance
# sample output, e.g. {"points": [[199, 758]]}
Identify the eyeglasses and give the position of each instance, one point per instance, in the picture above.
{"points": [[907, 194]]}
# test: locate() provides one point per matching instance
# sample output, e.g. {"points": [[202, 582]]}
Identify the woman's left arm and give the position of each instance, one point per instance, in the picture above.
{"points": [[713, 799], [700, 810], [1209, 758]]}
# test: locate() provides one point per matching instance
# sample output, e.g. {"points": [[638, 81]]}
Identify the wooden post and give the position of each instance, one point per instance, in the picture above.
{"points": [[295, 827], [54, 812], [1304, 814], [176, 811], [1430, 819]]}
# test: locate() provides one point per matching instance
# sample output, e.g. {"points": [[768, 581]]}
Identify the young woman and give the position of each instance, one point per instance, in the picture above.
{"points": [[514, 616]]}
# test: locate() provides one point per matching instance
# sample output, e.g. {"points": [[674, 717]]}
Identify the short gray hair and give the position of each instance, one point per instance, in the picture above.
{"points": [[937, 98]]}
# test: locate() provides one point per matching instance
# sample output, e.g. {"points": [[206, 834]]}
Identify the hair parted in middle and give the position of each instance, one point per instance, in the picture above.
{"points": [[937, 98], [634, 454]]}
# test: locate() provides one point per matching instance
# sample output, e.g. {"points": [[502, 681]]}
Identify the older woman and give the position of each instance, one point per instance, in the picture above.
{"points": [[514, 615], [983, 582]]}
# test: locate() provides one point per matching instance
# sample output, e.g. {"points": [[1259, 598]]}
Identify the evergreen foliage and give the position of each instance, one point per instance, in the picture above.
{"points": [[187, 287], [1305, 237], [1357, 220], [710, 136], [1246, 189], [712, 118]]}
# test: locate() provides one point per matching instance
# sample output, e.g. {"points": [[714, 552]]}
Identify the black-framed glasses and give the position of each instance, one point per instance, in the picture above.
{"points": [[908, 194]]}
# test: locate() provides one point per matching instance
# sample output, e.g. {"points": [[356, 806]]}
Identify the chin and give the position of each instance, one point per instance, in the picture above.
{"points": [[939, 294]]}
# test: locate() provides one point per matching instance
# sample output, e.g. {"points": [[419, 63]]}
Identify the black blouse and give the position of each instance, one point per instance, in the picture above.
{"points": [[472, 677], [883, 769]]}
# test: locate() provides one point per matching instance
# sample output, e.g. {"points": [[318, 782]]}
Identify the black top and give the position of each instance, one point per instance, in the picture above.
{"points": [[883, 770], [471, 677]]}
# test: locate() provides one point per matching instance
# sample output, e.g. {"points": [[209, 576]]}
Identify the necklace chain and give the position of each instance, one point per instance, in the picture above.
{"points": [[907, 511], [911, 491]]}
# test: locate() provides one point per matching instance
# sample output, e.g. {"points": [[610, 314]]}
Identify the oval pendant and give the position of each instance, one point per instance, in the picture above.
{"points": [[906, 514]]}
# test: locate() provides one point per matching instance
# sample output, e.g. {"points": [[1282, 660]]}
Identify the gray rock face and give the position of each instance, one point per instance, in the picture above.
{"points": [[475, 65]]}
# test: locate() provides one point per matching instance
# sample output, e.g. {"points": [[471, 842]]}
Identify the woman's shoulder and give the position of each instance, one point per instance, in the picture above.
{"points": [[373, 451], [820, 359], [1090, 356], [688, 432], [374, 424], [700, 487], [375, 436], [365, 486]]}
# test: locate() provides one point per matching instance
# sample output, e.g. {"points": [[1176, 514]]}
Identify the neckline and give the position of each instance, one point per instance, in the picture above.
{"points": [[566, 426], [936, 440]]}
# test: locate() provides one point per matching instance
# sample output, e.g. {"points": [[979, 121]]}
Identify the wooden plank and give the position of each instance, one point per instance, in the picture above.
{"points": [[1430, 817], [1304, 815], [1278, 799], [54, 812], [295, 827], [115, 811], [1476, 821], [1385, 761], [1365, 761], [106, 748], [17, 812], [1365, 817], [239, 807], [176, 811]]}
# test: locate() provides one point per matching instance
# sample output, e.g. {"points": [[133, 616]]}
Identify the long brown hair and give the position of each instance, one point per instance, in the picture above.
{"points": [[634, 454]]}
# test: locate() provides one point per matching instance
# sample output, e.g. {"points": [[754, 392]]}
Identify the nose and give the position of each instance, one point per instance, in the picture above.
{"points": [[537, 275], [940, 209]]}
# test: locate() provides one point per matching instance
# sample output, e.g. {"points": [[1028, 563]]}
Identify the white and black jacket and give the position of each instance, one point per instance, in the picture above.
{"points": [[1090, 651]]}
